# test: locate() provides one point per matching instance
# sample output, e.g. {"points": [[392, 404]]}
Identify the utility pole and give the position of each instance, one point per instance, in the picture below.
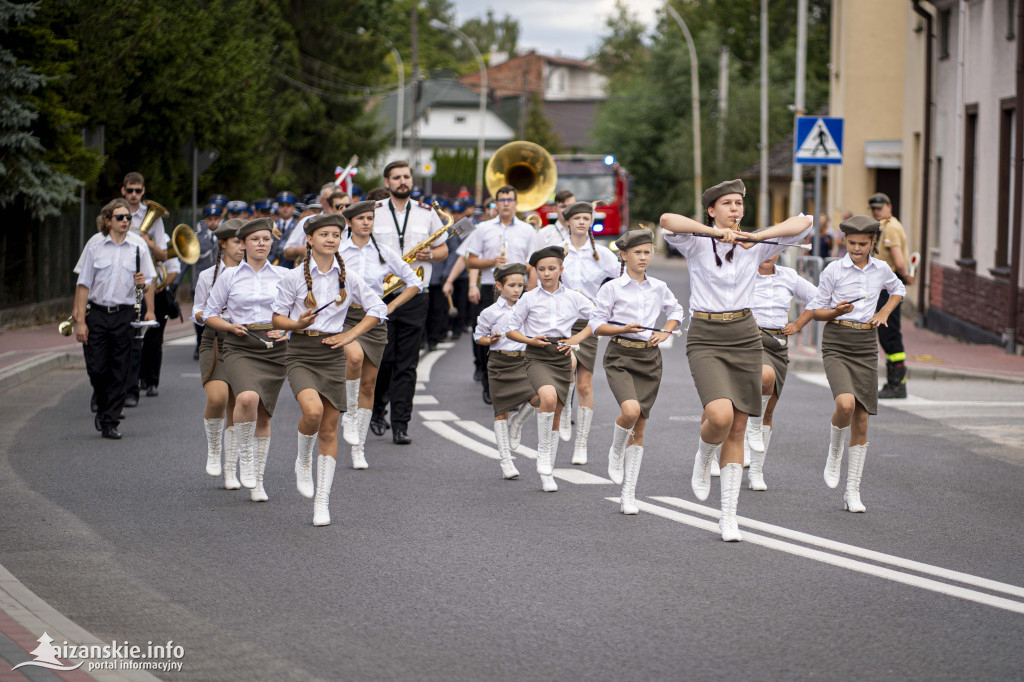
{"points": [[796, 186], [695, 105], [762, 191], [417, 89], [723, 105]]}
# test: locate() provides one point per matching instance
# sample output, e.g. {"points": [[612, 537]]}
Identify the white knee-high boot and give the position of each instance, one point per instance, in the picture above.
{"points": [[617, 452], [854, 471], [246, 433], [358, 450], [732, 476], [516, 423], [754, 423], [348, 421], [837, 442], [324, 480], [231, 458], [700, 482], [584, 415], [304, 465], [755, 477], [214, 429], [258, 494], [508, 468], [627, 500], [548, 483], [544, 442], [565, 423]]}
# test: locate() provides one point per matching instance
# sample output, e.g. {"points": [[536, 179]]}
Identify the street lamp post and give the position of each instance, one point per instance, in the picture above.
{"points": [[438, 24], [401, 98], [695, 101]]}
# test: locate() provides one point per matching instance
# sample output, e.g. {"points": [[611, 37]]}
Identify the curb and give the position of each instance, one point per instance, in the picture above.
{"points": [[24, 371], [813, 363]]}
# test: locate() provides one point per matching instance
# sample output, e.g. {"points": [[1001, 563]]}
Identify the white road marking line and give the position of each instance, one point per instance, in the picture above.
{"points": [[445, 345], [420, 386], [853, 550], [438, 415], [190, 375], [581, 477], [424, 400], [442, 429], [183, 341], [427, 362], [482, 432], [840, 561], [913, 400]]}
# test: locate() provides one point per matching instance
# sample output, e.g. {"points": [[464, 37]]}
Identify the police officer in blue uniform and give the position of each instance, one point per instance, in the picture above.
{"points": [[286, 222], [212, 214]]}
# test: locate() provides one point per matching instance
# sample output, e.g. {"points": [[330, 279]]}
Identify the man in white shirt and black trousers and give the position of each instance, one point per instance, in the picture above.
{"points": [[112, 267], [402, 225]]}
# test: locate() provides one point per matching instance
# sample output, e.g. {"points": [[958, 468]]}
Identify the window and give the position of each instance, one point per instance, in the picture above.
{"points": [[966, 259], [1005, 191], [1011, 19], [460, 119], [945, 19]]}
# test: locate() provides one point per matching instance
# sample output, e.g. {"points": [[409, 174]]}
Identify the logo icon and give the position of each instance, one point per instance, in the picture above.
{"points": [[46, 656]]}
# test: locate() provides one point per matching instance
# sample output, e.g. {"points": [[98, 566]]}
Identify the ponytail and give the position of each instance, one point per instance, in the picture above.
{"points": [[310, 298], [379, 254]]}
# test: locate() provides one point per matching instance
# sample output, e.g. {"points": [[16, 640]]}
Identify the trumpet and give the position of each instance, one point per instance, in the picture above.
{"points": [[392, 283]]}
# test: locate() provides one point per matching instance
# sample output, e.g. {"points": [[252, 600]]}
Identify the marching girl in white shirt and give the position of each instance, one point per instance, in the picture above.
{"points": [[372, 262], [220, 400], [586, 267], [847, 296], [774, 290], [312, 302], [627, 310], [254, 352], [506, 364], [723, 344], [543, 320]]}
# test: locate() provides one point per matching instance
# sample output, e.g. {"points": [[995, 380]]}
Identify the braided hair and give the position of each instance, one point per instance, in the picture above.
{"points": [[310, 300], [593, 247], [710, 222], [622, 264], [217, 260]]}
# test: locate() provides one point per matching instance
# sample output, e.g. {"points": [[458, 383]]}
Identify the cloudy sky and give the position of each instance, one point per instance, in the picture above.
{"points": [[569, 27]]}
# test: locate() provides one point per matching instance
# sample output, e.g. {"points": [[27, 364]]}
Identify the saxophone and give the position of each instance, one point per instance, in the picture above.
{"points": [[392, 282]]}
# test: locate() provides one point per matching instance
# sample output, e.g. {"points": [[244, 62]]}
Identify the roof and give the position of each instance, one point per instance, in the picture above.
{"points": [[437, 92]]}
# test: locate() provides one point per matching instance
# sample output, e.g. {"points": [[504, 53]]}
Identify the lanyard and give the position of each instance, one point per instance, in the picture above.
{"points": [[405, 223]]}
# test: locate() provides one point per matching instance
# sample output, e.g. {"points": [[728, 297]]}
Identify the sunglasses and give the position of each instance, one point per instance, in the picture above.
{"points": [[339, 207], [133, 190], [121, 216]]}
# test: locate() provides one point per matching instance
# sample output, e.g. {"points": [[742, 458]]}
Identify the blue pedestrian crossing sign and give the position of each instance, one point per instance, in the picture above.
{"points": [[819, 140]]}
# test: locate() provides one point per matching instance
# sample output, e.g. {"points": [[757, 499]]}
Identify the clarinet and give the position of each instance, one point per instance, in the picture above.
{"points": [[138, 291]]}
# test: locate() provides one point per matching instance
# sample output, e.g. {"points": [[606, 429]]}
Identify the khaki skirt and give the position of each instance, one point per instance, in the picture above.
{"points": [[633, 374], [251, 366], [851, 363], [547, 366], [587, 354], [313, 364], [776, 356], [211, 366], [510, 386], [373, 341], [725, 361]]}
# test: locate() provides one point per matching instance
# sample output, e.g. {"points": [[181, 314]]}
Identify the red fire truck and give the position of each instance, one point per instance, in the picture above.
{"points": [[592, 177]]}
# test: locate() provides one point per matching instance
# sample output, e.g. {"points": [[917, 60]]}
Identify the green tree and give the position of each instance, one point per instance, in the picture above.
{"points": [[538, 127], [622, 50]]}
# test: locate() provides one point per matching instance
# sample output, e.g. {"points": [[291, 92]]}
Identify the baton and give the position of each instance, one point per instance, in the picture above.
{"points": [[674, 332], [268, 344], [805, 247], [337, 299]]}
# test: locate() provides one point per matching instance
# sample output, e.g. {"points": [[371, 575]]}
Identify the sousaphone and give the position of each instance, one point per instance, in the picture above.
{"points": [[526, 166]]}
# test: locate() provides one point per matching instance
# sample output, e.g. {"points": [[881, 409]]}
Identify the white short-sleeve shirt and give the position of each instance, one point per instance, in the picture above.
{"points": [[625, 301], [841, 280], [774, 293]]}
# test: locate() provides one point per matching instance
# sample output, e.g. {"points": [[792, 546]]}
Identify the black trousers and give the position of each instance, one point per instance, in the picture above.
{"points": [[438, 321], [480, 352], [152, 358], [460, 297], [107, 359], [396, 376], [890, 336], [135, 363]]}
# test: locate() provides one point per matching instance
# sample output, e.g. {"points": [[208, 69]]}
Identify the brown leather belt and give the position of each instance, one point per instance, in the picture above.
{"points": [[259, 327], [355, 306], [512, 353], [722, 317], [848, 323], [313, 332], [770, 331], [630, 343]]}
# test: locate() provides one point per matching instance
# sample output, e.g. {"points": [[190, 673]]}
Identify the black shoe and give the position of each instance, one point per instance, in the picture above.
{"points": [[131, 401], [431, 346], [888, 391], [399, 436], [111, 432], [456, 336], [152, 391], [478, 375], [122, 415], [195, 354], [143, 385], [96, 423], [93, 405], [487, 397], [379, 425]]}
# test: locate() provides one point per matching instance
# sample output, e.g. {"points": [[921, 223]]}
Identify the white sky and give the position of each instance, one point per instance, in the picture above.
{"points": [[571, 28]]}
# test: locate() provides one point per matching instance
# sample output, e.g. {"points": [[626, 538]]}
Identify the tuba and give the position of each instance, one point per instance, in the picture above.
{"points": [[155, 212], [184, 244], [527, 167]]}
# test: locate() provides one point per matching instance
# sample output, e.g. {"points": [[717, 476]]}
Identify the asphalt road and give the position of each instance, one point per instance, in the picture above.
{"points": [[435, 568]]}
